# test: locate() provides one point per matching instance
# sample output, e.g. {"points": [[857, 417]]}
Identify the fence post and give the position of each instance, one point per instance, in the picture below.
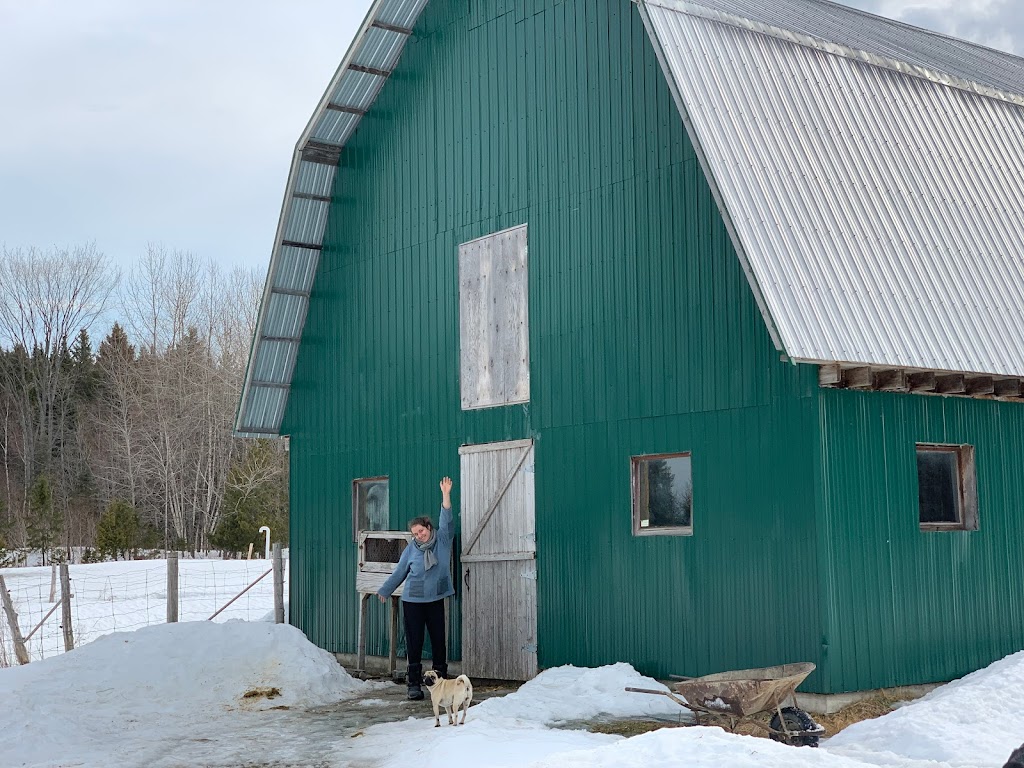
{"points": [[53, 582], [278, 584], [65, 600], [172, 587], [12, 619]]}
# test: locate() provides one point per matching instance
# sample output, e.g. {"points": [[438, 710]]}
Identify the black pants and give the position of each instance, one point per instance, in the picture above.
{"points": [[420, 616]]}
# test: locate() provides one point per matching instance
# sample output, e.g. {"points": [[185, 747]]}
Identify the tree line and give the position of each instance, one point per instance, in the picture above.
{"points": [[126, 444]]}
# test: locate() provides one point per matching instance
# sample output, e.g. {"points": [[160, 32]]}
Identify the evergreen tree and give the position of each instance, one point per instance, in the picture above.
{"points": [[44, 520], [118, 530], [115, 350], [255, 496], [86, 377]]}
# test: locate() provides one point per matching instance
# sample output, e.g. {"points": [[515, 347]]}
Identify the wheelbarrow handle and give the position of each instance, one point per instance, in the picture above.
{"points": [[680, 677], [676, 699]]}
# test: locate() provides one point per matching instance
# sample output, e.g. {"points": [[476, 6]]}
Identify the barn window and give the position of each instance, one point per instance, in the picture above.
{"points": [[494, 329], [370, 508], [946, 488], [662, 495]]}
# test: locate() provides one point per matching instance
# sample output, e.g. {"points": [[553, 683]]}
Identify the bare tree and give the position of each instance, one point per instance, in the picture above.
{"points": [[194, 326], [46, 298], [160, 297], [152, 424]]}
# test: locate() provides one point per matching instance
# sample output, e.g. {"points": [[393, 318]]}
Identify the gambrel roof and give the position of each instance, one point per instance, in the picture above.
{"points": [[871, 175]]}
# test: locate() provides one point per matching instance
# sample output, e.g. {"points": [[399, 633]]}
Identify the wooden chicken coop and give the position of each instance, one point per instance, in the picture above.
{"points": [[379, 553]]}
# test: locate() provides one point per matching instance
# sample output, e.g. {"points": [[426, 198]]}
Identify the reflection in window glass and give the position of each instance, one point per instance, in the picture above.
{"points": [[947, 488], [370, 508], [662, 494], [938, 486]]}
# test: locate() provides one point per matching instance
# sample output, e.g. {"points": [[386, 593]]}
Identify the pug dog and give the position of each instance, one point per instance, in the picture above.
{"points": [[453, 695]]}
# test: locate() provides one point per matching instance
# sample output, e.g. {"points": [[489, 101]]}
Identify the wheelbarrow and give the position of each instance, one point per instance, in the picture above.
{"points": [[732, 699]]}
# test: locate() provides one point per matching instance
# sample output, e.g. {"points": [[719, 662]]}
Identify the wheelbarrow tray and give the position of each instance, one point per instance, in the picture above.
{"points": [[744, 692]]}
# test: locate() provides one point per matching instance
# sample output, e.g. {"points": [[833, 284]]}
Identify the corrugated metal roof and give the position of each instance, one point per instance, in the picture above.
{"points": [[874, 36], [363, 71], [878, 207]]}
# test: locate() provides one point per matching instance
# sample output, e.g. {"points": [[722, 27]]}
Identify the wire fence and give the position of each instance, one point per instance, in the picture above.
{"points": [[125, 596]]}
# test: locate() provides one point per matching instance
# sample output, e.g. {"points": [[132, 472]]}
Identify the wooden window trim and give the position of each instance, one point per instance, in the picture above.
{"points": [[967, 487], [636, 490]]}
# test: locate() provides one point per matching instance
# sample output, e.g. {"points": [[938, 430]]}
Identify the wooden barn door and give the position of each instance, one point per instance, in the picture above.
{"points": [[499, 561]]}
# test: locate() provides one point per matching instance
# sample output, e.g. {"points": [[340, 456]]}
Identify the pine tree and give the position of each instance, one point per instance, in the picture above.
{"points": [[44, 521], [118, 530], [86, 377], [255, 496]]}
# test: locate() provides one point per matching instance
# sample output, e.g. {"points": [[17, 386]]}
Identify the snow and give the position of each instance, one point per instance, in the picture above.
{"points": [[568, 694], [174, 695], [122, 687], [974, 721], [126, 595]]}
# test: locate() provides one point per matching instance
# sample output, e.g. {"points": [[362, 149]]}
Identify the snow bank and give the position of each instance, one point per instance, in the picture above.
{"points": [[973, 722], [566, 694], [696, 747], [514, 730], [203, 663], [108, 699], [480, 742]]}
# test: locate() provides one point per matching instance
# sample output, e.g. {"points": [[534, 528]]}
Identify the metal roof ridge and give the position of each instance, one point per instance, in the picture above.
{"points": [[696, 9]]}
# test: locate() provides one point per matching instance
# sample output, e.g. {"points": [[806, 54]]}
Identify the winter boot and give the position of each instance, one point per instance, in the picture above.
{"points": [[441, 669], [414, 676]]}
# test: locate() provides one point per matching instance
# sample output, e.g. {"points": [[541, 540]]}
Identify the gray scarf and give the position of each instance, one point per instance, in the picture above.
{"points": [[427, 548]]}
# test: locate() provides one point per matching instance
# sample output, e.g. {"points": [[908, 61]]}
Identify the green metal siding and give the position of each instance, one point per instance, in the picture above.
{"points": [[901, 605], [645, 338]]}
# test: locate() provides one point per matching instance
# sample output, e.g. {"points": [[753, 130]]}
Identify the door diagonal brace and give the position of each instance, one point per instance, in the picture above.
{"points": [[497, 499]]}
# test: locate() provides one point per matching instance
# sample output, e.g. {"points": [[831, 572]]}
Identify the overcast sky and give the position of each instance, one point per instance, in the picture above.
{"points": [[127, 122]]}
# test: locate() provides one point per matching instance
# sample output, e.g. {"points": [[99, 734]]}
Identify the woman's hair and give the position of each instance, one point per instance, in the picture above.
{"points": [[424, 521]]}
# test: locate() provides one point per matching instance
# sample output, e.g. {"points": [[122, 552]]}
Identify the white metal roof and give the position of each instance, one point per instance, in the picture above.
{"points": [[873, 181]]}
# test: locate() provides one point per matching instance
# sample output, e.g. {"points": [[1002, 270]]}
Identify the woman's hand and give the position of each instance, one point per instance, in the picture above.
{"points": [[446, 492], [382, 598]]}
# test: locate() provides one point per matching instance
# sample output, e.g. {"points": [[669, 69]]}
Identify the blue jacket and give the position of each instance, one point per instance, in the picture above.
{"points": [[422, 586]]}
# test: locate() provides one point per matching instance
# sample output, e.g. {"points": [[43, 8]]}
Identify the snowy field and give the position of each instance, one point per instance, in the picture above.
{"points": [[127, 595], [175, 695]]}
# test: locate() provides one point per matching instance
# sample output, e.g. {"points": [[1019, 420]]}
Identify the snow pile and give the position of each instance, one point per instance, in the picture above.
{"points": [[975, 721], [482, 742], [115, 692], [207, 664], [695, 747], [567, 694], [513, 730]]}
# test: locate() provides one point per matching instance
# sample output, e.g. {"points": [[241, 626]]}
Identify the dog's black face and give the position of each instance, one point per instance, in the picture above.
{"points": [[430, 678]]}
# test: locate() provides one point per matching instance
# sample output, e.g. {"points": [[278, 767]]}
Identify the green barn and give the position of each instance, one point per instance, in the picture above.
{"points": [[713, 310]]}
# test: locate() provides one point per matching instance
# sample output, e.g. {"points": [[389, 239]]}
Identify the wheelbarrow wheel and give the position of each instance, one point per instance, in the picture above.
{"points": [[804, 732]]}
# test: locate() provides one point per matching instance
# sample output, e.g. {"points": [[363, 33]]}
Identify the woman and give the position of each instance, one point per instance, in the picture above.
{"points": [[425, 566]]}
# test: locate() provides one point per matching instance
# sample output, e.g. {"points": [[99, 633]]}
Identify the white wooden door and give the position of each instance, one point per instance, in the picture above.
{"points": [[499, 561]]}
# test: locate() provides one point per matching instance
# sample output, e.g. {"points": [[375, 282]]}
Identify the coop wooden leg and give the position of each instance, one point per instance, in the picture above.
{"points": [[361, 657], [393, 636]]}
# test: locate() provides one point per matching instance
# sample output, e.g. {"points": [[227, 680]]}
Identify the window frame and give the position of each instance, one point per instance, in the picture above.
{"points": [[355, 500], [967, 487], [667, 530]]}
